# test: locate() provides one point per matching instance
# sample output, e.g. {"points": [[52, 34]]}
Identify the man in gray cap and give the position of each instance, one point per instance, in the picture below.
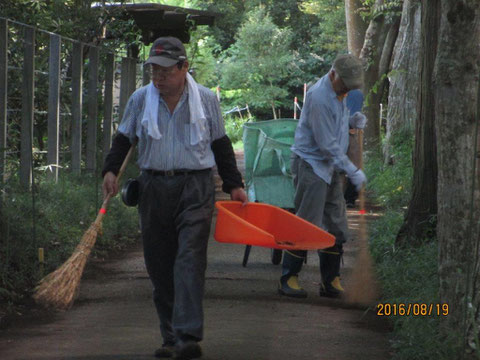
{"points": [[181, 135], [318, 160]]}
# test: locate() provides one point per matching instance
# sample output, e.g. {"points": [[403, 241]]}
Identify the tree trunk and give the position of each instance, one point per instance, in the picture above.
{"points": [[356, 26], [419, 221], [457, 70], [385, 63], [274, 111], [403, 104], [372, 53]]}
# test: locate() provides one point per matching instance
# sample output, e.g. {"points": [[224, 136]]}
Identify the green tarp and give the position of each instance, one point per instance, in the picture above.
{"points": [[267, 161]]}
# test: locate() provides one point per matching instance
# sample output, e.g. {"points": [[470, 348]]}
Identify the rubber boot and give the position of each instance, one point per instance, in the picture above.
{"points": [[330, 271]]}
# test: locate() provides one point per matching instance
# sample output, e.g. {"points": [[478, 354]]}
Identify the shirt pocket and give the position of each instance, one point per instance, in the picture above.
{"points": [[201, 148]]}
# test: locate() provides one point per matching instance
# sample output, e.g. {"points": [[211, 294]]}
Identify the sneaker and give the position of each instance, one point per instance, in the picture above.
{"points": [[187, 349], [166, 351], [333, 289], [290, 287]]}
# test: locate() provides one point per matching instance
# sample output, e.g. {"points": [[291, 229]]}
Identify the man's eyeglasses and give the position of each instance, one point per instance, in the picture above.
{"points": [[160, 71]]}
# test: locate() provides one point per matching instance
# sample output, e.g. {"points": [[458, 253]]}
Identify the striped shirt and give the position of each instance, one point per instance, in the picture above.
{"points": [[321, 137], [173, 150]]}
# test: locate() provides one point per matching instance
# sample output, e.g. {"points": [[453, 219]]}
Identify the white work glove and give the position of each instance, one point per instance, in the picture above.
{"points": [[358, 178], [357, 120]]}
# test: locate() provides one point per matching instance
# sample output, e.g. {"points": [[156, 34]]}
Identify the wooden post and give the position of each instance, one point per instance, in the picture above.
{"points": [[146, 74], [41, 261], [124, 86], [26, 137], [3, 97], [92, 123], [380, 116], [77, 76], [54, 105], [240, 113], [248, 112], [295, 108], [132, 84], [108, 104]]}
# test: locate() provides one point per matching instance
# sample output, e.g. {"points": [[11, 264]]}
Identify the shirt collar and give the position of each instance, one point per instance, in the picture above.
{"points": [[332, 92], [329, 87]]}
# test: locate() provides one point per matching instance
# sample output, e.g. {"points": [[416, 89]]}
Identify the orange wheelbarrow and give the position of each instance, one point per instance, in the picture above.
{"points": [[259, 224]]}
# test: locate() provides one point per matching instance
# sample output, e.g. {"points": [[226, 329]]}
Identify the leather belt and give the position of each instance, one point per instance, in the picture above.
{"points": [[174, 172]]}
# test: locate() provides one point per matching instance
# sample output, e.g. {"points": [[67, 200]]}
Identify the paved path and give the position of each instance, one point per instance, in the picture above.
{"points": [[245, 318]]}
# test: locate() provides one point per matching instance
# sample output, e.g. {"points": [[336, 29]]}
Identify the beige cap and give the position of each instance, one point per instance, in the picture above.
{"points": [[350, 70]]}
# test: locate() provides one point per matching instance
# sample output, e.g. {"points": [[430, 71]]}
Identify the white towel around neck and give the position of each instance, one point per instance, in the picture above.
{"points": [[197, 115]]}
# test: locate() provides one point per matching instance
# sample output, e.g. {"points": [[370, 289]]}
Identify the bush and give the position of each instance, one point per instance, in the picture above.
{"points": [[234, 127], [407, 275], [390, 184], [61, 215]]}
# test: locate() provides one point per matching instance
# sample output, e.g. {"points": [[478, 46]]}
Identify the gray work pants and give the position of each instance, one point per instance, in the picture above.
{"points": [[175, 218], [324, 206]]}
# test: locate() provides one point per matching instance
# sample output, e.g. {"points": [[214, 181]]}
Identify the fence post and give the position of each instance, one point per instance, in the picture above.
{"points": [[92, 122], [146, 75], [108, 103], [26, 141], [3, 97], [132, 84], [295, 108], [53, 105], [127, 82], [123, 86], [77, 75]]}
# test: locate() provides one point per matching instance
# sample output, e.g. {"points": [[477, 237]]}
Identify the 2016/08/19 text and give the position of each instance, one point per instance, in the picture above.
{"points": [[414, 309]]}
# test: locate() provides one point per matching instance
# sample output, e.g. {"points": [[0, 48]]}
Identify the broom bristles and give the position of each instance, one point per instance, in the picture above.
{"points": [[362, 289], [59, 288]]}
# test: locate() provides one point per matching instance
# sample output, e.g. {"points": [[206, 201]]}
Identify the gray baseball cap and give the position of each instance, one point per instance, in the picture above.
{"points": [[350, 70], [166, 51]]}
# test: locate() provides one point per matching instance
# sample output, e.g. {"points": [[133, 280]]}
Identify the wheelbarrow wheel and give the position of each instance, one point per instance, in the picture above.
{"points": [[276, 256]]}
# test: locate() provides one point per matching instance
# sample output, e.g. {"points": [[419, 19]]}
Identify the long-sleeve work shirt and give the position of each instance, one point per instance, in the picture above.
{"points": [[321, 137]]}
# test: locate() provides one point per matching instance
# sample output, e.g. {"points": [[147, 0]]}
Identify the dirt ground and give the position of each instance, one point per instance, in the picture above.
{"points": [[245, 319]]}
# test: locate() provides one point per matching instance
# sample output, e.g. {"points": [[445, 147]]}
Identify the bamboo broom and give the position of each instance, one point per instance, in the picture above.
{"points": [[362, 285], [58, 289]]}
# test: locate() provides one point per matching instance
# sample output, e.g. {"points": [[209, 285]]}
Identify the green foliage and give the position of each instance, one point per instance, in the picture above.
{"points": [[61, 215], [258, 64], [407, 275], [234, 127], [227, 24], [390, 184], [200, 52], [329, 37], [75, 19], [316, 31], [390, 9]]}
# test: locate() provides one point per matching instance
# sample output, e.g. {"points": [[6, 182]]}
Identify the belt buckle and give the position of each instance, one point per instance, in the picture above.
{"points": [[170, 173]]}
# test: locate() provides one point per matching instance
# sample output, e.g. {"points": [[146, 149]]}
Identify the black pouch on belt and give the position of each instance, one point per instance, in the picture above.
{"points": [[130, 192]]}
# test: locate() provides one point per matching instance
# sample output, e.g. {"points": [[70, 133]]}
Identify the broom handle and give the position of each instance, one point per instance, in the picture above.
{"points": [[361, 195], [362, 225], [103, 209]]}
